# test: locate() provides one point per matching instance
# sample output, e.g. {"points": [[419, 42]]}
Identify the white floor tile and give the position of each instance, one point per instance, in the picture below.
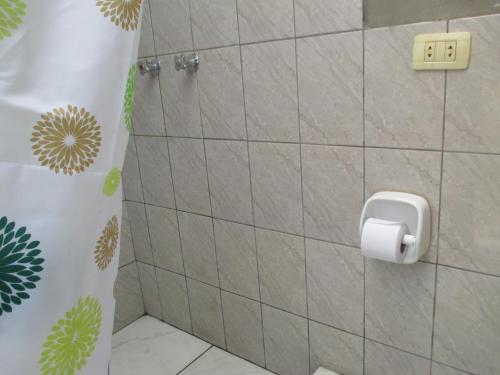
{"points": [[219, 362], [151, 347]]}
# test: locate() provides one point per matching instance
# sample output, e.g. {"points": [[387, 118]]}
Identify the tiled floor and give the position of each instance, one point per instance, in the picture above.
{"points": [[151, 347]]}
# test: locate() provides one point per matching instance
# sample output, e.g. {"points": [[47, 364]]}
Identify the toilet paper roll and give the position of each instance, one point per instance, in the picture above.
{"points": [[383, 239]]}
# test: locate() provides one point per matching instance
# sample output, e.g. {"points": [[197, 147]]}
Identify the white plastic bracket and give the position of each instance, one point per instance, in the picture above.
{"points": [[411, 209]]}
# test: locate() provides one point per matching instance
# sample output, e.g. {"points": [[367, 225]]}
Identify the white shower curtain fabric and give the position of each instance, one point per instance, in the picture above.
{"points": [[67, 74]]}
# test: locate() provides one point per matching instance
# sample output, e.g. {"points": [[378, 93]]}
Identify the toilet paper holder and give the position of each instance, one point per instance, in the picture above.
{"points": [[411, 209]]}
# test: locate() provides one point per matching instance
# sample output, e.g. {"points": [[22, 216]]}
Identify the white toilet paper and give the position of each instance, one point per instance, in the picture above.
{"points": [[383, 239]]}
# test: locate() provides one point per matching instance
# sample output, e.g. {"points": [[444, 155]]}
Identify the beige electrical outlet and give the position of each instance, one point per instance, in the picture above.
{"points": [[442, 51]]}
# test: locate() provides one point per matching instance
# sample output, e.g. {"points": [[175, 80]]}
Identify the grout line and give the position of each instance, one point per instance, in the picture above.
{"points": [[213, 236], [172, 176], [354, 247], [129, 323], [152, 31], [126, 264], [302, 185], [141, 288], [154, 267], [175, 208], [447, 365], [124, 206], [145, 214], [424, 262], [250, 225], [397, 349], [251, 185], [258, 42], [264, 303], [439, 208], [364, 192], [195, 359], [147, 220], [208, 184], [183, 264], [311, 320], [399, 148], [176, 212]]}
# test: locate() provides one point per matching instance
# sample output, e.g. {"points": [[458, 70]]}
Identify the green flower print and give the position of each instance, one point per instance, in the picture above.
{"points": [[11, 16], [19, 264], [112, 182], [129, 96], [72, 340]]}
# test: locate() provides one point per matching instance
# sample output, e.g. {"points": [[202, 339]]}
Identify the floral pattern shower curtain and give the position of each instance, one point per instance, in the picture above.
{"points": [[67, 73]]}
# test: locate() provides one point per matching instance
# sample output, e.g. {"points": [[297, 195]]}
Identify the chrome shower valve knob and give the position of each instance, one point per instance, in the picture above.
{"points": [[189, 62], [151, 67]]}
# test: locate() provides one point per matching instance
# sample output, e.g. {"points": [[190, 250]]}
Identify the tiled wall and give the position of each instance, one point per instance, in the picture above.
{"points": [[127, 290], [396, 12], [244, 185]]}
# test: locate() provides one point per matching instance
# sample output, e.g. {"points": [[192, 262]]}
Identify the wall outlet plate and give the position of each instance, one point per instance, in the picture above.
{"points": [[441, 51]]}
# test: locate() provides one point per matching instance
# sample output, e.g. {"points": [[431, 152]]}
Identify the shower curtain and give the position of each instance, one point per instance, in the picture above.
{"points": [[67, 73]]}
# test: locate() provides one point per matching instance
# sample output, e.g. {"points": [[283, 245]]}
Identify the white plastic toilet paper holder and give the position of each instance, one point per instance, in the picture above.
{"points": [[324, 371], [411, 209]]}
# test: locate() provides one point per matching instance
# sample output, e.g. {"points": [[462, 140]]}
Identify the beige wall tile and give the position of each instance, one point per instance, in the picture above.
{"points": [[214, 23], [276, 186], [439, 369], [335, 285], [198, 247], [174, 299], [140, 234], [467, 329], [323, 16], [149, 287], [146, 44], [147, 115], [282, 271], [395, 12], [206, 312], [333, 192], [180, 100], [403, 107], [154, 164], [243, 325], [131, 177], [127, 254], [229, 178], [261, 20], [189, 172], [469, 234], [399, 305], [285, 341], [165, 241], [472, 95], [383, 360], [171, 25], [270, 80], [330, 71], [221, 93], [129, 304], [335, 350], [237, 258]]}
